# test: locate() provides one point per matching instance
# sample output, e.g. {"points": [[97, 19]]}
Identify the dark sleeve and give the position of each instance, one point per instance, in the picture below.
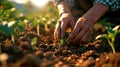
{"points": [[113, 4], [71, 2]]}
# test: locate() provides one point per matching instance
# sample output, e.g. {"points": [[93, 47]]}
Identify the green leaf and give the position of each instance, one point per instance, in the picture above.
{"points": [[6, 30], [111, 35], [35, 23], [116, 28], [21, 26], [63, 41], [118, 31], [34, 40], [109, 29], [102, 36]]}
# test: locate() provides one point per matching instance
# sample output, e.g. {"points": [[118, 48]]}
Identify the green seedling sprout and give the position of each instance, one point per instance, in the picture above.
{"points": [[63, 40], [36, 23], [110, 36], [34, 42], [38, 28]]}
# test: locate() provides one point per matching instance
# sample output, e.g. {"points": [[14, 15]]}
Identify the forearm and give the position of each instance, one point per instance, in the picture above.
{"points": [[63, 7], [96, 12]]}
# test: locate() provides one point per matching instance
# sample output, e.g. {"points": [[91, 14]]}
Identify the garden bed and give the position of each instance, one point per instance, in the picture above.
{"points": [[46, 53]]}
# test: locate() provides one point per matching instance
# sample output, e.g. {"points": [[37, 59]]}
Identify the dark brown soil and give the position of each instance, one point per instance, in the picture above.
{"points": [[47, 53]]}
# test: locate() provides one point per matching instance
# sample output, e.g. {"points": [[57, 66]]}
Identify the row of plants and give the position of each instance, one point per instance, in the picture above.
{"points": [[13, 23]]}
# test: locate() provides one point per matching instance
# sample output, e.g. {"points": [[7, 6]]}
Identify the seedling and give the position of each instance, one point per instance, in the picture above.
{"points": [[10, 27], [34, 42], [110, 36], [63, 40], [37, 23]]}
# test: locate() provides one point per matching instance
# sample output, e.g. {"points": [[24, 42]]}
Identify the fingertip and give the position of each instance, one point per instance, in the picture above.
{"points": [[57, 36], [68, 40]]}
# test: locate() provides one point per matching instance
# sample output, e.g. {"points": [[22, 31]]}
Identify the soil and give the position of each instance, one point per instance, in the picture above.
{"points": [[47, 53]]}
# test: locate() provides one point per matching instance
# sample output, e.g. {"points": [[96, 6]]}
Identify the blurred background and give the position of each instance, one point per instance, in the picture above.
{"points": [[32, 12], [31, 8]]}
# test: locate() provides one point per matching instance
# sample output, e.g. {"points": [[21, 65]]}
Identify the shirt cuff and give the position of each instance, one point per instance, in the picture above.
{"points": [[71, 2], [113, 4]]}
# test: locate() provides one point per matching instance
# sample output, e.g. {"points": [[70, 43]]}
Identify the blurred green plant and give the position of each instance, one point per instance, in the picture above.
{"points": [[39, 22], [36, 23], [110, 36], [10, 26], [33, 43], [6, 4], [63, 41], [12, 22]]}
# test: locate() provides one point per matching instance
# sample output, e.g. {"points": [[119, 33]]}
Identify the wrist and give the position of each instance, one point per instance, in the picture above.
{"points": [[65, 12], [96, 12], [63, 7]]}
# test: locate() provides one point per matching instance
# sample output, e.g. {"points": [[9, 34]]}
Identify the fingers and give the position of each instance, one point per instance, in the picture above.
{"points": [[81, 32], [63, 28], [86, 36], [64, 21], [80, 35], [74, 33], [60, 29], [57, 31], [83, 38]]}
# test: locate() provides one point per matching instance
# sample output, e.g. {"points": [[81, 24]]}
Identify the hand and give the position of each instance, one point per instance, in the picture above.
{"points": [[82, 31], [66, 20], [84, 26]]}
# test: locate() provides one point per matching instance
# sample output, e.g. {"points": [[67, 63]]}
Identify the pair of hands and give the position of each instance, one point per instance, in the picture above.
{"points": [[81, 30]]}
